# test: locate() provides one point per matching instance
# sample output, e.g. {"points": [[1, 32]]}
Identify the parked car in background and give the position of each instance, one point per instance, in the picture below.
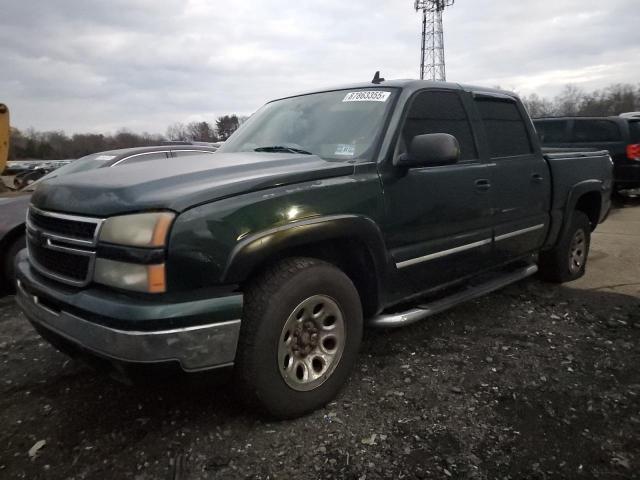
{"points": [[17, 167], [619, 135], [33, 171], [383, 203], [13, 205]]}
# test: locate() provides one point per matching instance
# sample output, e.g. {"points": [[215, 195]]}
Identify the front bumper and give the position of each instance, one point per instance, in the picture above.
{"points": [[194, 344]]}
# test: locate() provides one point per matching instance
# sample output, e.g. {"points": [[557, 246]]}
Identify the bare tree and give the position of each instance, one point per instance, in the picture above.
{"points": [[569, 101], [177, 131], [201, 132], [538, 107]]}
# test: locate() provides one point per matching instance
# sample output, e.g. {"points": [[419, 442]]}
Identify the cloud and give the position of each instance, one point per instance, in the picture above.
{"points": [[90, 65]]}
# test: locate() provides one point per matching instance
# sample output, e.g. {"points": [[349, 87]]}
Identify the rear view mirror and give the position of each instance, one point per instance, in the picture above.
{"points": [[429, 150]]}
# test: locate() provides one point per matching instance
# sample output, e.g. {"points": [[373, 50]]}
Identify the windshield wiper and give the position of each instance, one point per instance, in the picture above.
{"points": [[282, 148]]}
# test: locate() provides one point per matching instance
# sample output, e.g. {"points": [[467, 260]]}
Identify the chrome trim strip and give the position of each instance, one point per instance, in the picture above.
{"points": [[75, 251], [137, 155], [519, 232], [443, 253], [193, 150], [197, 348]]}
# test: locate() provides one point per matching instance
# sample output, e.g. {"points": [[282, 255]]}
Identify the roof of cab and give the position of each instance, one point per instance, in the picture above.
{"points": [[407, 84]]}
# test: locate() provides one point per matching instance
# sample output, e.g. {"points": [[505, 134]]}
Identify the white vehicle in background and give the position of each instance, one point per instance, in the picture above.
{"points": [[630, 115]]}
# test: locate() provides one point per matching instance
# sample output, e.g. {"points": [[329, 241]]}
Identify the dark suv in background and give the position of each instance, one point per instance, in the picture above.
{"points": [[619, 135]]}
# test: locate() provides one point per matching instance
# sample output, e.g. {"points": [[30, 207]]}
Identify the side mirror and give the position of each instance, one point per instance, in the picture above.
{"points": [[430, 150]]}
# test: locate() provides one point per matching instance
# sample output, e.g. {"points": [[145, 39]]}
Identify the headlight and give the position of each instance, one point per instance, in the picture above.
{"points": [[138, 230], [130, 276]]}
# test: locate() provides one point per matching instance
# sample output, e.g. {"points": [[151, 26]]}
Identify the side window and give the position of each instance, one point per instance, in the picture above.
{"points": [[552, 131], [440, 112], [143, 157], [505, 128], [188, 153], [596, 131]]}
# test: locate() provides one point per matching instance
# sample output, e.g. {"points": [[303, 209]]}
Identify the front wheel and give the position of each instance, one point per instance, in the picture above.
{"points": [[300, 335], [568, 259]]}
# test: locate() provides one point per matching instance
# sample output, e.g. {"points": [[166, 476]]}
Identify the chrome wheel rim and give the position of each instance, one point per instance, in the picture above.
{"points": [[578, 251], [311, 343]]}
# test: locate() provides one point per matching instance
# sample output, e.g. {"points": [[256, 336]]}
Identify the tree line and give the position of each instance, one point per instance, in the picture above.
{"points": [[55, 145], [571, 101]]}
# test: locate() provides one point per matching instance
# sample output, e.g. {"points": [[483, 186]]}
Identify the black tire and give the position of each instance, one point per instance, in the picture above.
{"points": [[270, 302], [558, 265], [8, 266]]}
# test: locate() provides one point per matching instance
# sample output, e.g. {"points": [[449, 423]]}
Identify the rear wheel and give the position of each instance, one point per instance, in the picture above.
{"points": [[568, 259], [300, 334]]}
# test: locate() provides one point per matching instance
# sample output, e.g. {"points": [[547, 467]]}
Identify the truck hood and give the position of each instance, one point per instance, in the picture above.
{"points": [[180, 183]]}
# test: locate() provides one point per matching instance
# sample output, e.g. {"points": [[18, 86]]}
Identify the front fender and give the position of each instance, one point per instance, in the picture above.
{"points": [[253, 250]]}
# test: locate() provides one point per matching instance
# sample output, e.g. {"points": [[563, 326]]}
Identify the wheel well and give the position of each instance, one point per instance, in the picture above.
{"points": [[5, 243], [9, 238], [590, 204], [349, 255]]}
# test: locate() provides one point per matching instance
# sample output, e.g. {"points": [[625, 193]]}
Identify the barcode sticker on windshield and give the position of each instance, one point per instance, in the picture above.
{"points": [[347, 150], [367, 96]]}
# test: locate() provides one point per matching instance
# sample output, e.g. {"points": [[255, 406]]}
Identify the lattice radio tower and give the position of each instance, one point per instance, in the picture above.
{"points": [[432, 66]]}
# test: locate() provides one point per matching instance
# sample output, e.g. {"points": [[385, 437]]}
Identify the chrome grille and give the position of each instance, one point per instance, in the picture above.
{"points": [[62, 246], [69, 228], [61, 226], [63, 264]]}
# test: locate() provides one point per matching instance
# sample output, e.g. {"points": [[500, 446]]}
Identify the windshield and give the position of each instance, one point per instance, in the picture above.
{"points": [[95, 160], [340, 125]]}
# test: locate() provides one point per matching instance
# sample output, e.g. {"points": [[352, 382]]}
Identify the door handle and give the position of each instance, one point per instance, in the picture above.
{"points": [[536, 177], [483, 184]]}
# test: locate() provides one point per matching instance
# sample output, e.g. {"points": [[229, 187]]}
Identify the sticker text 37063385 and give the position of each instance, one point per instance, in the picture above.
{"points": [[367, 96]]}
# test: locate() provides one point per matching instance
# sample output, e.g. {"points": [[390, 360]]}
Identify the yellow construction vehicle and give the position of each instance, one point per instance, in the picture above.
{"points": [[4, 136]]}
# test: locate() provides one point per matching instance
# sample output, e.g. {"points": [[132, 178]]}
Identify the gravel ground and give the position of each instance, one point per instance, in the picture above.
{"points": [[534, 381]]}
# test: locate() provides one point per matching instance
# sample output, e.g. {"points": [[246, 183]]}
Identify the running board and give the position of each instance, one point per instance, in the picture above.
{"points": [[420, 312]]}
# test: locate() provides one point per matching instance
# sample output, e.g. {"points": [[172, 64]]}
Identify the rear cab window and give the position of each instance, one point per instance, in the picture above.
{"points": [[504, 126]]}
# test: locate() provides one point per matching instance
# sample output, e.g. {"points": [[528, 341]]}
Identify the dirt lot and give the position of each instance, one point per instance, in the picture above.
{"points": [[534, 381]]}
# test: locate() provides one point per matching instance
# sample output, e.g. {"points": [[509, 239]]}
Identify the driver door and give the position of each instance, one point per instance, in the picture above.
{"points": [[438, 218]]}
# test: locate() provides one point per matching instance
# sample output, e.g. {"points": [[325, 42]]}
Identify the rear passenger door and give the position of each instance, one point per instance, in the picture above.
{"points": [[520, 177]]}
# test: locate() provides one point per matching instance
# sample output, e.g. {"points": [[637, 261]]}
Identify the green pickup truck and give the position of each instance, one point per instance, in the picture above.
{"points": [[369, 205]]}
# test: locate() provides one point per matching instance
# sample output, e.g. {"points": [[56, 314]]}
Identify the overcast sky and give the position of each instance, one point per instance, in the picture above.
{"points": [[89, 65]]}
